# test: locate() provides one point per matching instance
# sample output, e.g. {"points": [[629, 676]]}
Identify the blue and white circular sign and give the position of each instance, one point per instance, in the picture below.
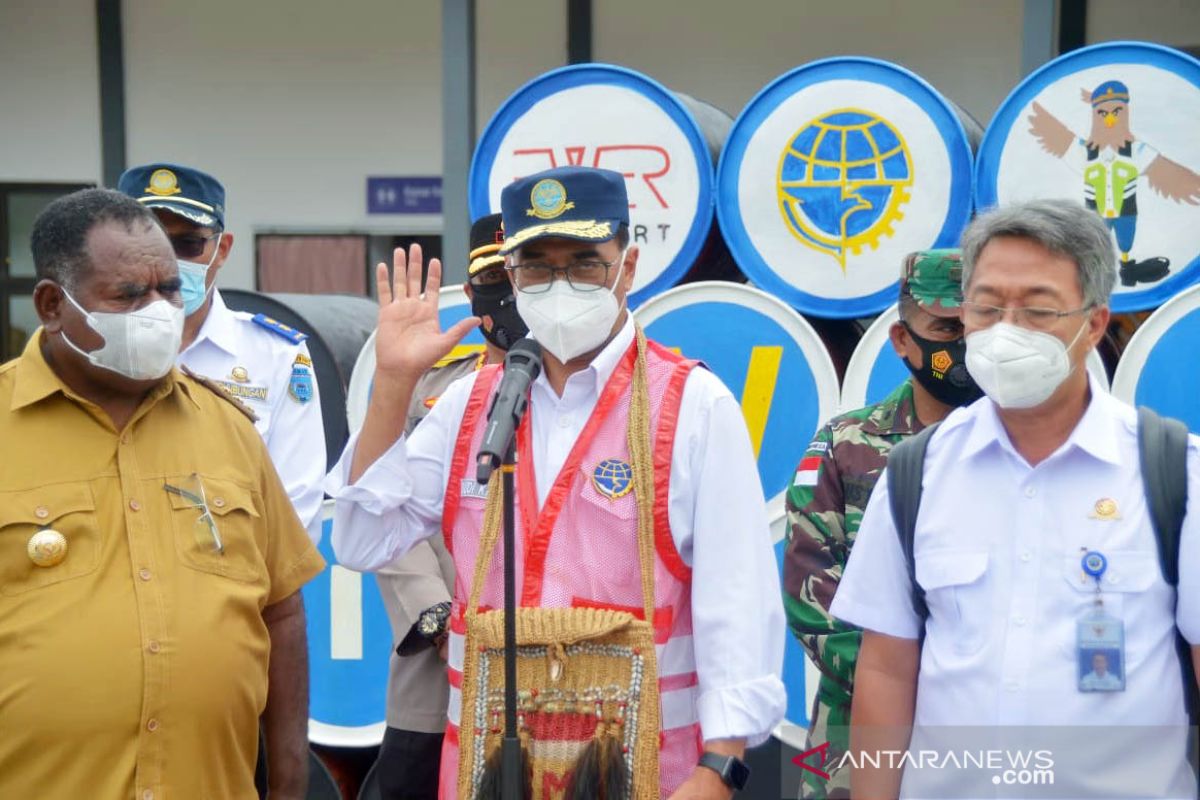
{"points": [[598, 115], [832, 174], [1113, 127], [874, 369], [1157, 368], [349, 646]]}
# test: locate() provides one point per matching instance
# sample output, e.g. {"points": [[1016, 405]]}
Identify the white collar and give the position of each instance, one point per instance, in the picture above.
{"points": [[1095, 433], [218, 326]]}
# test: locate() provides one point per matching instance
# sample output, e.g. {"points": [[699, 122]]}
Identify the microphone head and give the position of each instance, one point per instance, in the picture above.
{"points": [[525, 351]]}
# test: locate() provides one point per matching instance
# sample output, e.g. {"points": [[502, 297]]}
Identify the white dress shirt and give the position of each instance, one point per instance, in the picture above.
{"points": [[998, 548], [293, 430], [717, 517]]}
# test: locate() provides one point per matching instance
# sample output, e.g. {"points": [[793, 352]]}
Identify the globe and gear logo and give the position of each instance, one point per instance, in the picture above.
{"points": [[613, 478], [842, 181]]}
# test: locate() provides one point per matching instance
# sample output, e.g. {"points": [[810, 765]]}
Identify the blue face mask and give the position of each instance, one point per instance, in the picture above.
{"points": [[192, 277]]}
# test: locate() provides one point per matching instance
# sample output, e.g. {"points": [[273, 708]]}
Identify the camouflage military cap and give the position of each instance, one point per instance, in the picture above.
{"points": [[933, 278]]}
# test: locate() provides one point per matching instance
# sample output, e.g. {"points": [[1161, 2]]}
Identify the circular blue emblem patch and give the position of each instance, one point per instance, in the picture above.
{"points": [[613, 478]]}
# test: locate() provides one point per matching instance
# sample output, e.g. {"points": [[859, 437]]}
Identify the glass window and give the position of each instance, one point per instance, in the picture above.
{"points": [[22, 208], [22, 322]]}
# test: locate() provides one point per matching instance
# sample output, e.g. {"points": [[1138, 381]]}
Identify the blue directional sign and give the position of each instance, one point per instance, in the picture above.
{"points": [[422, 195], [349, 644], [1157, 368]]}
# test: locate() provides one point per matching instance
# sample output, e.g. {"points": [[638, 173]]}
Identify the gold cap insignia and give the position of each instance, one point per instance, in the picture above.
{"points": [[1106, 509], [548, 200], [47, 548], [163, 183], [240, 375]]}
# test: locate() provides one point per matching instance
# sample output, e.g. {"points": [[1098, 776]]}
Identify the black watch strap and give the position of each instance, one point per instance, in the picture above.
{"points": [[733, 770]]}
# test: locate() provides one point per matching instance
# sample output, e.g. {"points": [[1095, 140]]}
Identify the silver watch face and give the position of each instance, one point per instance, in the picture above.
{"points": [[428, 625]]}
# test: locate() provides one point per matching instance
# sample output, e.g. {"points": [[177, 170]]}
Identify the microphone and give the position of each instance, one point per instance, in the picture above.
{"points": [[522, 365]]}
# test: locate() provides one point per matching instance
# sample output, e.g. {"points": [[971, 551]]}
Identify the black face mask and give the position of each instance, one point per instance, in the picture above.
{"points": [[497, 301], [944, 374]]}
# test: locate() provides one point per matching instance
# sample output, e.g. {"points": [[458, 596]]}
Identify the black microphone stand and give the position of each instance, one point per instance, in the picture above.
{"points": [[511, 768]]}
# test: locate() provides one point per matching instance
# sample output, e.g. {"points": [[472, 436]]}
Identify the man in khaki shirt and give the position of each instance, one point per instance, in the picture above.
{"points": [[150, 561]]}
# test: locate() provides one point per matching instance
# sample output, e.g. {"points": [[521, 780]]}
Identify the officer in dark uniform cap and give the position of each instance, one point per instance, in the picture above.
{"points": [[262, 362], [416, 588]]}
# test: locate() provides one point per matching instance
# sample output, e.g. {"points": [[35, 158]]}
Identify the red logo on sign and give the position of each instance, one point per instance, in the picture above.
{"points": [[822, 752], [639, 163]]}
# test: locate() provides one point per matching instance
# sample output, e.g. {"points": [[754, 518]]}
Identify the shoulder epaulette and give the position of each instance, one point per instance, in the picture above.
{"points": [[462, 352], [275, 326], [219, 391]]}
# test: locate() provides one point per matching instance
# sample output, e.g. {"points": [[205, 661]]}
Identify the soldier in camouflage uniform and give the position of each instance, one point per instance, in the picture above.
{"points": [[829, 492], [420, 581]]}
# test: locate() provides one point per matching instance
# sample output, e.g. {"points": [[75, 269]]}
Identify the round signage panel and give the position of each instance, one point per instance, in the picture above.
{"points": [[1112, 126], [1156, 369], [634, 126], [832, 174]]}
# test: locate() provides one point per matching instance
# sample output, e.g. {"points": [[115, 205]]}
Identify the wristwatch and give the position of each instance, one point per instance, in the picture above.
{"points": [[431, 624], [733, 771]]}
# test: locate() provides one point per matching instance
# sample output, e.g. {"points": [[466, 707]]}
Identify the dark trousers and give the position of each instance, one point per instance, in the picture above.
{"points": [[408, 765]]}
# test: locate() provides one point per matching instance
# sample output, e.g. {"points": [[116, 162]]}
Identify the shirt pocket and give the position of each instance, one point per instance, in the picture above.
{"points": [[236, 520], [69, 509], [959, 597], [608, 486], [1127, 572]]}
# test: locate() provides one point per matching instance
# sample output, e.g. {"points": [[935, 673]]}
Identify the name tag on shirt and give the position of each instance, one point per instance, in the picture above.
{"points": [[472, 488], [1100, 651]]}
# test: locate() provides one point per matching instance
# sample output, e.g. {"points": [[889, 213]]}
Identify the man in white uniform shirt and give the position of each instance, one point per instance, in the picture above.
{"points": [[1017, 487], [260, 361], [567, 233]]}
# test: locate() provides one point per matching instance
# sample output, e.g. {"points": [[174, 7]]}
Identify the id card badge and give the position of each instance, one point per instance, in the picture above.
{"points": [[1099, 640]]}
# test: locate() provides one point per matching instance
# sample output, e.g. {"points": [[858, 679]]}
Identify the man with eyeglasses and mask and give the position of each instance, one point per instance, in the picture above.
{"points": [[416, 588], [258, 360], [718, 619], [1032, 549], [150, 560], [826, 498]]}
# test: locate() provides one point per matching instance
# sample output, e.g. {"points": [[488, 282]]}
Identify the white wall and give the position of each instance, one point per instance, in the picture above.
{"points": [[49, 91], [291, 105], [1173, 22], [724, 52]]}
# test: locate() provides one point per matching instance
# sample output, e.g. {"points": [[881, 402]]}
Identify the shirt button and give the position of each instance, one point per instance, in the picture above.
{"points": [[135, 505], [152, 725], [144, 574], [219, 502], [153, 647], [147, 795], [1030, 491], [41, 512], [564, 422], [124, 438], [1019, 620], [1012, 686], [1026, 556]]}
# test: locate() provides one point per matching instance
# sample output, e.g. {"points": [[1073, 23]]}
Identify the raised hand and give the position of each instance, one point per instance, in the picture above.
{"points": [[409, 338]]}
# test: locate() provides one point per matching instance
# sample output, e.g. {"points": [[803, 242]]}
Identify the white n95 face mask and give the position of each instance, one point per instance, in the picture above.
{"points": [[1016, 367], [141, 344], [568, 322]]}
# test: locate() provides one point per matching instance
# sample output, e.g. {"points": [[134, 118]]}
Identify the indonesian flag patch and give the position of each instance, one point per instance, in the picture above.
{"points": [[809, 469]]}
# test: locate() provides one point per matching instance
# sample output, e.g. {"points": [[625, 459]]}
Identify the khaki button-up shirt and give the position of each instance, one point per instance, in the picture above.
{"points": [[137, 666]]}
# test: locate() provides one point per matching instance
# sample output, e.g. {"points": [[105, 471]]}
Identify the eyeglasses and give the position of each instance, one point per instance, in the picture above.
{"points": [[586, 276], [189, 245], [205, 527], [981, 315]]}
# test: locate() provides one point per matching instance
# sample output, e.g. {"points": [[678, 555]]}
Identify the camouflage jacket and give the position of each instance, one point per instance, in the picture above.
{"points": [[825, 505]]}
